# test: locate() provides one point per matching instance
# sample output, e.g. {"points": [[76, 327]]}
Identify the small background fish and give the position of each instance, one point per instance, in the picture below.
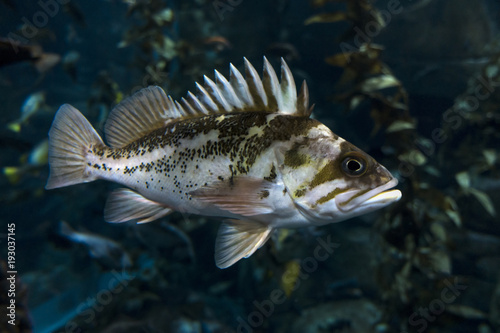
{"points": [[108, 252]]}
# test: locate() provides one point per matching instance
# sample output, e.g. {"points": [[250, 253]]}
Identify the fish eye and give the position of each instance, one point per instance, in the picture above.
{"points": [[354, 166]]}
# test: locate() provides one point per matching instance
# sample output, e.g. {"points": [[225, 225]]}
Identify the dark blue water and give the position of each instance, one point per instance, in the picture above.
{"points": [[429, 263]]}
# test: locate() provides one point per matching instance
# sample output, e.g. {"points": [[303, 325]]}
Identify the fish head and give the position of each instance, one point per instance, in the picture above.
{"points": [[336, 180]]}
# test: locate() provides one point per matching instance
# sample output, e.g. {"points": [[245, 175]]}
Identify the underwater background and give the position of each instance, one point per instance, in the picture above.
{"points": [[414, 83]]}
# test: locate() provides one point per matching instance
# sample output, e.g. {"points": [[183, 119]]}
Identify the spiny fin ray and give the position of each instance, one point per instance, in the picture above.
{"points": [[288, 90], [255, 86], [271, 86]]}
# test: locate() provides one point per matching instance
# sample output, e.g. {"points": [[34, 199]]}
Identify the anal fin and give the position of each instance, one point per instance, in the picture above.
{"points": [[125, 205], [238, 239]]}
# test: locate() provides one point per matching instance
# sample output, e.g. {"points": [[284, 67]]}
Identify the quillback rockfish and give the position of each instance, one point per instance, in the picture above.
{"points": [[244, 149]]}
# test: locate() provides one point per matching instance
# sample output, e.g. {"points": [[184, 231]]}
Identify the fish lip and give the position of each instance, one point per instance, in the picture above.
{"points": [[379, 196], [383, 199]]}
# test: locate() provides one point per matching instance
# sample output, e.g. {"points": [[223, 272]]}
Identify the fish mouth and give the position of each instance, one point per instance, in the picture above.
{"points": [[378, 197]]}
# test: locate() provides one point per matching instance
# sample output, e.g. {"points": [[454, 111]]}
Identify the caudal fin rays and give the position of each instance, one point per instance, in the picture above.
{"points": [[71, 137]]}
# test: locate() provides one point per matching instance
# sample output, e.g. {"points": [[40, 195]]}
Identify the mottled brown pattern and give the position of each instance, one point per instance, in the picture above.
{"points": [[293, 158]]}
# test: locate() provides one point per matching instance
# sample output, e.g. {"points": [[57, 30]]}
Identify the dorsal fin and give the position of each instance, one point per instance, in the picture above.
{"points": [[151, 108], [134, 117]]}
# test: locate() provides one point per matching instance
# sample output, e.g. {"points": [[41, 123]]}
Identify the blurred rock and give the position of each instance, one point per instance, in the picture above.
{"points": [[354, 316]]}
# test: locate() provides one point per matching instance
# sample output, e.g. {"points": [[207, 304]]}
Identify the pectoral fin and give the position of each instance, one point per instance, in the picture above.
{"points": [[238, 239], [125, 205], [244, 195]]}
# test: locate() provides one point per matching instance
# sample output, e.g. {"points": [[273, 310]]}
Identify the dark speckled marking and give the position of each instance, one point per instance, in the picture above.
{"points": [[299, 192], [294, 159], [272, 174]]}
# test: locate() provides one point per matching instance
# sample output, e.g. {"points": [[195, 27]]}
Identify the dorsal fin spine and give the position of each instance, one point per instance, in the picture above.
{"points": [[240, 86], [195, 104], [255, 85], [303, 100], [227, 90], [217, 97], [181, 109], [205, 97], [288, 90], [271, 86], [173, 108]]}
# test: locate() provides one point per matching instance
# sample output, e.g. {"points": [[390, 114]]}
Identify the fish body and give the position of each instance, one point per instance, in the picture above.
{"points": [[31, 105], [69, 63], [32, 162], [242, 149], [39, 154], [107, 251], [13, 51]]}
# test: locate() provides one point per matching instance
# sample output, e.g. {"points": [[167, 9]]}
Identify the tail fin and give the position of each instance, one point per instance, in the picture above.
{"points": [[70, 138]]}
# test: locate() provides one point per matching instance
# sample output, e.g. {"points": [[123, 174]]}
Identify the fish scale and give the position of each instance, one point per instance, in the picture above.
{"points": [[242, 149]]}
